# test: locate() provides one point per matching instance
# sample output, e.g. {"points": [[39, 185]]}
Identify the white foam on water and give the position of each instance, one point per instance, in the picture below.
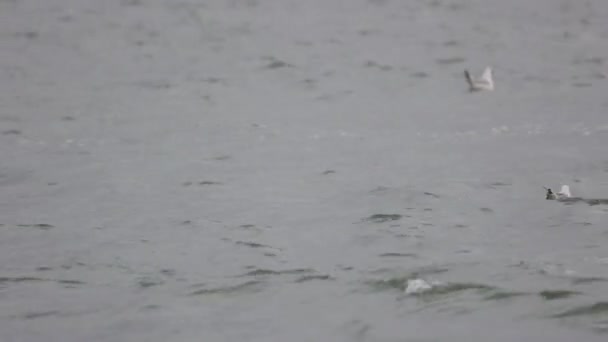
{"points": [[415, 286], [564, 192]]}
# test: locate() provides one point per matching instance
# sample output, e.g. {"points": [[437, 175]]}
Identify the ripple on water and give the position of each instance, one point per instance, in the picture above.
{"points": [[419, 74], [266, 272], [39, 314], [599, 308], [502, 295], [400, 282], [440, 291], [402, 255], [412, 285], [449, 60], [587, 280], [41, 226], [455, 288], [70, 282], [20, 279], [246, 287], [557, 294], [252, 244], [589, 201], [380, 218], [67, 282], [148, 281], [495, 185], [593, 316], [314, 277], [432, 195]]}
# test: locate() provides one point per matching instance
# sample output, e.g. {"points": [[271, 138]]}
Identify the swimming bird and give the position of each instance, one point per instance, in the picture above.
{"points": [[563, 194], [485, 82], [550, 195]]}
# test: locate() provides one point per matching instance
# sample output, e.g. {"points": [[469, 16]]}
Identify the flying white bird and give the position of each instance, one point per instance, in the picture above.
{"points": [[485, 82]]}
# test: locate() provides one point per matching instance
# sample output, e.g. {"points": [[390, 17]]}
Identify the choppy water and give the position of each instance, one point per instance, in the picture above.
{"points": [[302, 171]]}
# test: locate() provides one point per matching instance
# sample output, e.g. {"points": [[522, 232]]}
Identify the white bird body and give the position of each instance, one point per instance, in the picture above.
{"points": [[485, 82]]}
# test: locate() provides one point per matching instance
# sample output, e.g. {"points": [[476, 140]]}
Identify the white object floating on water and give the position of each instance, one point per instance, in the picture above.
{"points": [[485, 82], [415, 286]]}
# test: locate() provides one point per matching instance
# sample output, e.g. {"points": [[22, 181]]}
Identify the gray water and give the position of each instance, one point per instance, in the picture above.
{"points": [[278, 170]]}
